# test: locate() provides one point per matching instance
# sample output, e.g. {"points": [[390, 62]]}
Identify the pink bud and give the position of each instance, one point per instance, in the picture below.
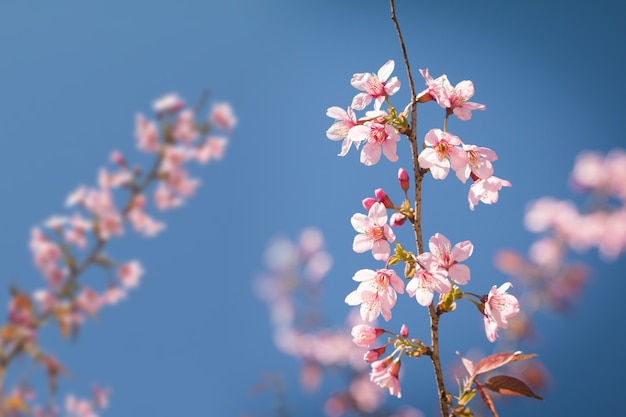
{"points": [[404, 331], [364, 335], [403, 177], [369, 202], [397, 219], [373, 354], [382, 196], [118, 159]]}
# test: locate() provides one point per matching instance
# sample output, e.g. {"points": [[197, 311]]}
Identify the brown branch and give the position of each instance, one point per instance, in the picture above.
{"points": [[444, 399]]}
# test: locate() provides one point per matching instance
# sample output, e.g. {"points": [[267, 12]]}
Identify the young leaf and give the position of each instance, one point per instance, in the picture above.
{"points": [[486, 398], [497, 360], [507, 385]]}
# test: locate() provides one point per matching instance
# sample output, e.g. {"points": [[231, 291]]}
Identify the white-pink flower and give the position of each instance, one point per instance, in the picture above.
{"points": [[449, 257], [379, 138], [376, 293], [364, 335], [387, 376], [374, 232], [429, 277], [442, 152], [498, 308], [344, 121], [222, 116], [453, 99], [169, 103], [486, 190], [479, 161], [375, 87], [129, 274]]}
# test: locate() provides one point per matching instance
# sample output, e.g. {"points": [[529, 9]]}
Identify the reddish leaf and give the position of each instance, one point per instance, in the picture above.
{"points": [[486, 398], [497, 360], [507, 385]]}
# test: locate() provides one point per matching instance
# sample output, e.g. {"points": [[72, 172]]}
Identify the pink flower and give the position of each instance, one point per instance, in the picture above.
{"points": [[387, 377], [375, 86], [364, 335], [486, 190], [79, 408], [344, 121], [442, 152], [101, 396], [427, 280], [498, 308], [381, 197], [478, 163], [222, 116], [129, 274], [213, 148], [185, 130], [376, 293], [448, 258], [454, 100], [169, 103], [89, 301], [374, 231], [379, 137], [146, 134]]}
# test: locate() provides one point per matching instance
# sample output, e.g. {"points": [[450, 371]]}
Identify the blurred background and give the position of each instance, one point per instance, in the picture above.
{"points": [[194, 335]]}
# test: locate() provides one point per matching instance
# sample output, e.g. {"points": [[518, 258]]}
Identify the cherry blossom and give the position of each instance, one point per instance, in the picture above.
{"points": [[386, 376], [498, 308], [486, 190], [169, 103], [448, 258], [376, 293], [429, 277], [364, 335], [375, 87], [441, 153], [222, 116], [379, 138], [452, 99], [344, 121], [479, 161], [374, 232]]}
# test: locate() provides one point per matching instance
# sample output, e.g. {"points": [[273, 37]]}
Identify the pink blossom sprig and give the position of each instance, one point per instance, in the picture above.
{"points": [[440, 270], [76, 242]]}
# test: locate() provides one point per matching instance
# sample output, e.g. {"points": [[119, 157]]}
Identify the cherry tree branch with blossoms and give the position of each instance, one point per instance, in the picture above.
{"points": [[439, 270], [175, 139]]}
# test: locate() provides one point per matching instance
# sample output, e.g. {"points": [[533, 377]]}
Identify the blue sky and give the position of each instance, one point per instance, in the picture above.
{"points": [[193, 337]]}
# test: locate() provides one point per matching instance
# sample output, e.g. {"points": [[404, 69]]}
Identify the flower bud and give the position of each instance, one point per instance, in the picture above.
{"points": [[364, 335], [369, 202], [382, 196], [403, 178], [397, 219], [404, 331], [373, 354]]}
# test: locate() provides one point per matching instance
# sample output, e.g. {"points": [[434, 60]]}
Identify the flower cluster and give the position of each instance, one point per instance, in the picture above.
{"points": [[376, 128], [552, 279], [446, 150], [292, 288], [66, 246], [439, 270]]}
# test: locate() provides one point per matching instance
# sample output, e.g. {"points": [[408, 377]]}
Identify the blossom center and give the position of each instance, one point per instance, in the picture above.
{"points": [[376, 233]]}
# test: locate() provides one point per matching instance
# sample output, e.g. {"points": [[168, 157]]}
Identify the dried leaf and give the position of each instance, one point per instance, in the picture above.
{"points": [[508, 385], [486, 398], [497, 360]]}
